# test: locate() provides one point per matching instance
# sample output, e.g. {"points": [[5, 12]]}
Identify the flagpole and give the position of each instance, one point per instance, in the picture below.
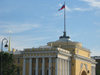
{"points": [[64, 35], [64, 21]]}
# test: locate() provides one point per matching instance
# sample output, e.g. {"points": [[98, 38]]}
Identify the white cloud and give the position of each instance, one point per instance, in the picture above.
{"points": [[93, 3], [58, 14], [18, 41], [96, 23], [74, 35], [23, 41], [2, 37], [28, 42], [82, 9], [5, 27], [95, 51], [97, 13]]}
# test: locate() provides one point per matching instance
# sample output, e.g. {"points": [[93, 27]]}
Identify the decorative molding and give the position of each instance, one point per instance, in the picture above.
{"points": [[86, 66], [64, 58], [81, 65], [67, 54], [89, 60]]}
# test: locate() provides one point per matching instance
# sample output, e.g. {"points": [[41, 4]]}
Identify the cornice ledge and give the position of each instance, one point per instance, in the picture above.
{"points": [[84, 58], [67, 54], [75, 46], [32, 52], [84, 49]]}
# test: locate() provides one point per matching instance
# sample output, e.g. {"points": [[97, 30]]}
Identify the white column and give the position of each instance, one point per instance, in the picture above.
{"points": [[30, 66], [24, 65], [56, 67], [43, 66], [63, 66], [50, 66], [68, 66], [60, 66], [36, 66], [94, 70]]}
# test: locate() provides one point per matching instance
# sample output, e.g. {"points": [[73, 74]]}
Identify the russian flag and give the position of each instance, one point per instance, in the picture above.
{"points": [[62, 7]]}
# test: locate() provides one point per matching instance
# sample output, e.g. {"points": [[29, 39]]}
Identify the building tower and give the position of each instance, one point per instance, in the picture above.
{"points": [[9, 48]]}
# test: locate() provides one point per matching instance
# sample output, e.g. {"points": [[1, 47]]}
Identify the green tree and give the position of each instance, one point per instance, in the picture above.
{"points": [[97, 72], [8, 66]]}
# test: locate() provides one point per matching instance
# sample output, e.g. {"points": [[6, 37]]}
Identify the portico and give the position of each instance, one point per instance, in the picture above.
{"points": [[55, 62]]}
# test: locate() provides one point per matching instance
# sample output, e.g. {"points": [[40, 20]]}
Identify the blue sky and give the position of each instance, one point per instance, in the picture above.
{"points": [[35, 22]]}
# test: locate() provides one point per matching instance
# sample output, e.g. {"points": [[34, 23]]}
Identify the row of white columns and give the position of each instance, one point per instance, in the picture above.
{"points": [[65, 67], [64, 63]]}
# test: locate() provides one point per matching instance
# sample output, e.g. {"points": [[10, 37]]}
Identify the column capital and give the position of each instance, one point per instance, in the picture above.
{"points": [[50, 57], [43, 58], [69, 59]]}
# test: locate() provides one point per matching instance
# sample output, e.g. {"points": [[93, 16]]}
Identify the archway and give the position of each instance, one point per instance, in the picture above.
{"points": [[83, 73]]}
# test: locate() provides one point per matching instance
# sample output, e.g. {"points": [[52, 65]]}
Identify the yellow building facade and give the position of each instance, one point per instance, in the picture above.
{"points": [[61, 57]]}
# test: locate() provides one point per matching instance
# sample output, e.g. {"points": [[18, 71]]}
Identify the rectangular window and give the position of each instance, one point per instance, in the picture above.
{"points": [[40, 72], [41, 60], [34, 60], [47, 72], [53, 60], [47, 60], [18, 72], [14, 61], [18, 60], [34, 72]]}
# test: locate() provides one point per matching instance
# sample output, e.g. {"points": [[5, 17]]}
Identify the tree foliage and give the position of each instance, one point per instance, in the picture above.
{"points": [[8, 66], [97, 72]]}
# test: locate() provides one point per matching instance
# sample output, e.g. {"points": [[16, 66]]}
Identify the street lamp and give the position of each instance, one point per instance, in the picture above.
{"points": [[2, 50]]}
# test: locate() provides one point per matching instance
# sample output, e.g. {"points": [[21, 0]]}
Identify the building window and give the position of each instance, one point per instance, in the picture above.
{"points": [[47, 72], [53, 60], [73, 50], [34, 72], [88, 71], [18, 60], [18, 72], [41, 60], [72, 64], [47, 60], [34, 60], [40, 72], [14, 61]]}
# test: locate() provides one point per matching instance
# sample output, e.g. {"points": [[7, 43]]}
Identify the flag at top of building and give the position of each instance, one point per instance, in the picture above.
{"points": [[62, 7]]}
